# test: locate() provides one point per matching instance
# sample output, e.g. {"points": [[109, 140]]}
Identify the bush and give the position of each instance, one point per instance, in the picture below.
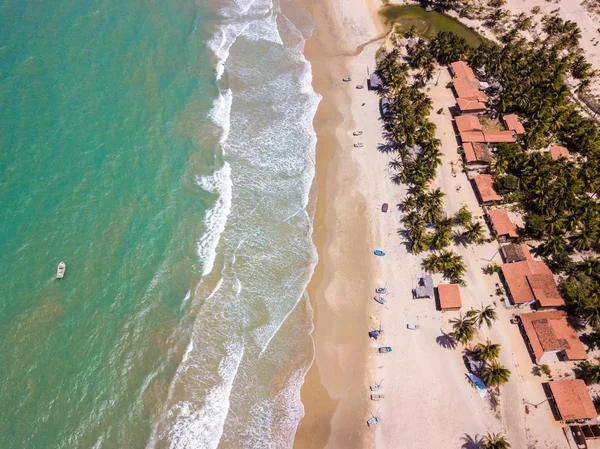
{"points": [[546, 371], [534, 225], [506, 184]]}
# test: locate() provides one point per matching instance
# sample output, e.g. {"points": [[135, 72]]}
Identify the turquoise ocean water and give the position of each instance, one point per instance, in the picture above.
{"points": [[164, 151]]}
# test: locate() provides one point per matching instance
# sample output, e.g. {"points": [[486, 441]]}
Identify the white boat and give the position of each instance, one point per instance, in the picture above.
{"points": [[60, 270], [357, 133], [358, 145]]}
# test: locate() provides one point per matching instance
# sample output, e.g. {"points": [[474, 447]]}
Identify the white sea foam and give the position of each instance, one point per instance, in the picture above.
{"points": [[202, 428], [216, 218], [220, 114]]}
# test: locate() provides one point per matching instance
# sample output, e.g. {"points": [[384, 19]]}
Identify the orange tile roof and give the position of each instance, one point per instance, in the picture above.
{"points": [[514, 252], [501, 223], [499, 136], [472, 136], [477, 152], [545, 291], [550, 331], [462, 70], [573, 399], [485, 187], [558, 152], [523, 283], [467, 123], [512, 122], [470, 105], [449, 295]]}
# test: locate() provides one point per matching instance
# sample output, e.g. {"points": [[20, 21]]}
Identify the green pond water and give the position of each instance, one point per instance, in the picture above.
{"points": [[427, 23]]}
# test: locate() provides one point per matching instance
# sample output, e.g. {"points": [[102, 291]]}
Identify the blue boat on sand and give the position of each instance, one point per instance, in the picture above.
{"points": [[379, 252]]}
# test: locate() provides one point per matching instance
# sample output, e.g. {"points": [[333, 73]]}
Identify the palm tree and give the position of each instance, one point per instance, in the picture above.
{"points": [[485, 315], [473, 232], [464, 331], [488, 351], [495, 374], [495, 441]]}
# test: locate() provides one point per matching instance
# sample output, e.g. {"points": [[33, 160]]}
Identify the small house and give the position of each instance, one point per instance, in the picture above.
{"points": [[449, 297]]}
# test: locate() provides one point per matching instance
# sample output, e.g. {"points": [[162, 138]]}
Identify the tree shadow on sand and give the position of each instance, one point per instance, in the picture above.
{"points": [[471, 442], [446, 341], [386, 148]]}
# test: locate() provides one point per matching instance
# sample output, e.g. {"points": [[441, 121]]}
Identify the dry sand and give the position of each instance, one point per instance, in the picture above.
{"points": [[429, 403]]}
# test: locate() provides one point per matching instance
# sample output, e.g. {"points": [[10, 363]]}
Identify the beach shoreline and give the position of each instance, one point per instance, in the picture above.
{"points": [[332, 407]]}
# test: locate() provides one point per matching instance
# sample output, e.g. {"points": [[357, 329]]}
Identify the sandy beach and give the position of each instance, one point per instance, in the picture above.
{"points": [[429, 402]]}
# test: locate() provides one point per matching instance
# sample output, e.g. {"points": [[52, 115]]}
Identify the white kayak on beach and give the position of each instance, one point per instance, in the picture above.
{"points": [[357, 133], [60, 270], [358, 145]]}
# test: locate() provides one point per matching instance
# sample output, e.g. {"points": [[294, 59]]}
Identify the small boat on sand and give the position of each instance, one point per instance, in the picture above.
{"points": [[385, 349], [376, 397], [375, 387], [413, 327], [360, 86], [379, 299], [347, 79], [381, 290], [373, 421], [379, 252], [60, 270], [384, 207], [357, 133], [358, 145]]}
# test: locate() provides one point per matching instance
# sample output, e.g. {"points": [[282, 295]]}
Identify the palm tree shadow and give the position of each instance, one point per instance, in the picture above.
{"points": [[471, 442], [386, 148], [446, 341]]}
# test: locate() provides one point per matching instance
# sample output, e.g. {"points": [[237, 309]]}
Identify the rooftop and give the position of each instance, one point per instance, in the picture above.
{"points": [[513, 123], [558, 152], [573, 399], [501, 223], [499, 136], [485, 187], [530, 280], [515, 252], [470, 105], [462, 70], [550, 331], [477, 152], [449, 295], [467, 123]]}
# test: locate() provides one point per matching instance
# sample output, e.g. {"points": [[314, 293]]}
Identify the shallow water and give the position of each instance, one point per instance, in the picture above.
{"points": [[428, 23], [164, 152]]}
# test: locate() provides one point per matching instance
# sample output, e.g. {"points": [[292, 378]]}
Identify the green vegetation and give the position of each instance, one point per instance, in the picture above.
{"points": [[487, 315], [464, 329], [546, 371], [495, 441], [495, 374], [589, 371], [447, 262], [488, 351], [427, 24]]}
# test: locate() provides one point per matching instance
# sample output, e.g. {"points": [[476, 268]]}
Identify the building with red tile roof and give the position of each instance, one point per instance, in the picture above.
{"points": [[572, 400], [505, 229], [557, 152], [471, 106], [485, 188], [530, 281], [465, 123], [550, 337], [514, 252], [499, 136], [513, 123], [477, 153], [460, 69], [449, 296]]}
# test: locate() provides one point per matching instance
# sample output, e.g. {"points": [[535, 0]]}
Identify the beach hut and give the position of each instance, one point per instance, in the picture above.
{"points": [[501, 224], [477, 154], [550, 338], [484, 184], [425, 288], [384, 108], [449, 297], [531, 282], [375, 82], [557, 152], [514, 252], [513, 123], [571, 400]]}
